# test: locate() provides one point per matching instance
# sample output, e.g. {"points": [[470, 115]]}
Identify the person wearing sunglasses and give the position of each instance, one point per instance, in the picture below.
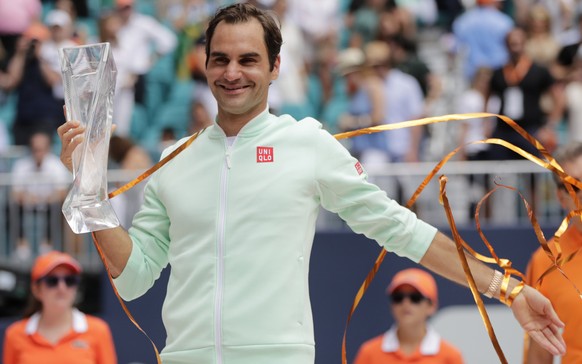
{"points": [[414, 299], [561, 286], [53, 330]]}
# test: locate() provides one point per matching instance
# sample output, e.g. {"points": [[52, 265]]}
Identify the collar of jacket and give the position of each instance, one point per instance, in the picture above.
{"points": [[252, 128]]}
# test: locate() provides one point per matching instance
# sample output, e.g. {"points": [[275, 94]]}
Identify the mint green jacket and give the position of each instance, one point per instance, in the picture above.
{"points": [[236, 224]]}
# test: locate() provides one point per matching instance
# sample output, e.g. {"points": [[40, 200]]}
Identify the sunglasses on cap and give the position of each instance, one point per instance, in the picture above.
{"points": [[52, 281], [414, 297]]}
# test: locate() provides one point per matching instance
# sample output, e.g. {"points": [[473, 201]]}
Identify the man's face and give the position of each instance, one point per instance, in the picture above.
{"points": [[238, 70], [40, 147], [516, 42]]}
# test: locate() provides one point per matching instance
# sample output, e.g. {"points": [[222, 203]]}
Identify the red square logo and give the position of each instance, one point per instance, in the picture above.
{"points": [[359, 168], [265, 155]]}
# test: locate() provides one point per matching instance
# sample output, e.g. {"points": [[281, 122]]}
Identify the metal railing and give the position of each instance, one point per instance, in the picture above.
{"points": [[467, 183]]}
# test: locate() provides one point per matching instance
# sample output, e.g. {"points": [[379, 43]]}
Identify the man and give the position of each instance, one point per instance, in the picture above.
{"points": [[234, 214], [480, 33], [145, 38], [403, 100], [60, 26], [520, 85], [554, 285], [414, 299], [39, 183]]}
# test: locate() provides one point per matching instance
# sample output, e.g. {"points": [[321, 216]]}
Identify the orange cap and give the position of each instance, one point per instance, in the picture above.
{"points": [[37, 30], [49, 261], [123, 3], [421, 280]]}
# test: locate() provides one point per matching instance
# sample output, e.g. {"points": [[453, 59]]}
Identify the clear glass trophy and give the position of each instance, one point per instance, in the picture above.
{"points": [[89, 76]]}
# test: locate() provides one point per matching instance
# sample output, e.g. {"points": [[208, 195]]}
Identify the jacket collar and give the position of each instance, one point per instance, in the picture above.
{"points": [[79, 322], [253, 127], [430, 344]]}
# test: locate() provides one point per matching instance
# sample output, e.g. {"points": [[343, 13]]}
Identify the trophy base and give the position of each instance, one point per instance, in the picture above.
{"points": [[90, 217]]}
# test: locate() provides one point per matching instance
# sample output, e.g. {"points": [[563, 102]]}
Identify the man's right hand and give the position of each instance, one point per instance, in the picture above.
{"points": [[71, 135]]}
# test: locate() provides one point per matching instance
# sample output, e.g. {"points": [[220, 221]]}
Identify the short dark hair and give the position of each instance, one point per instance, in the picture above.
{"points": [[242, 13]]}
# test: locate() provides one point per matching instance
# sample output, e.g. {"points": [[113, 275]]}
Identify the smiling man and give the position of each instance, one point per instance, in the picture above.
{"points": [[234, 216]]}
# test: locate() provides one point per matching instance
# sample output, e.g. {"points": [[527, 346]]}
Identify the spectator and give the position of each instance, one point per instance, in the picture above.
{"points": [[53, 330], [39, 187], [60, 26], [365, 89], [565, 298], [403, 101], [407, 60], [188, 19], [202, 94], [145, 39], [572, 35], [36, 109], [80, 31], [124, 98], [289, 92], [573, 92], [413, 300], [480, 35], [396, 22], [363, 21], [520, 85], [562, 14], [541, 45], [320, 22], [568, 53], [475, 100], [424, 12], [449, 10], [326, 84], [17, 17], [199, 117], [128, 156]]}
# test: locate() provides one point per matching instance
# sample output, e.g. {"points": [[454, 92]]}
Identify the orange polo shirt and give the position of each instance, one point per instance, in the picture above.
{"points": [[386, 349], [88, 342], [560, 292]]}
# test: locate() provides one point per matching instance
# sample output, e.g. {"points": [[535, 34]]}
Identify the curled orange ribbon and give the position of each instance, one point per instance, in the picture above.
{"points": [[550, 163], [119, 191]]}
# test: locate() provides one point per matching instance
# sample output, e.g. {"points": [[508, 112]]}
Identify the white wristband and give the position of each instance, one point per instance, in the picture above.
{"points": [[494, 285]]}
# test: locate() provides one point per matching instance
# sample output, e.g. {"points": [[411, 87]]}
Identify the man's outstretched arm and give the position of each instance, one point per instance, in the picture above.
{"points": [[533, 311]]}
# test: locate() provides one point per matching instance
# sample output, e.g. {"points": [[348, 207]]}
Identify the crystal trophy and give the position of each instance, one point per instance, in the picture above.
{"points": [[89, 75]]}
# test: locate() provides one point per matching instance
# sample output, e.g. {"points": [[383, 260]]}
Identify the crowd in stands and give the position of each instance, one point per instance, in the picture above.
{"points": [[348, 63]]}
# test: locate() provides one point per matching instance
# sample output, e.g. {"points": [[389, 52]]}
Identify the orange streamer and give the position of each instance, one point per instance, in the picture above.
{"points": [[550, 164], [119, 191]]}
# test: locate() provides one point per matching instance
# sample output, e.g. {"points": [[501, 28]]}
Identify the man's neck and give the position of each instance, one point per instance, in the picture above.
{"points": [[232, 124]]}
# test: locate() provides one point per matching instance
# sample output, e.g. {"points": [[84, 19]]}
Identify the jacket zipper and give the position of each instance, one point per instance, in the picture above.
{"points": [[220, 254]]}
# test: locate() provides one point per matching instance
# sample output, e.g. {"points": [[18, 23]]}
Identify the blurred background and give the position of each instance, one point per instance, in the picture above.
{"points": [[421, 58]]}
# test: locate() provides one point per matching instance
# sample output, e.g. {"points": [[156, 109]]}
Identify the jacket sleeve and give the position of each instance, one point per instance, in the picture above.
{"points": [[149, 255], [343, 188]]}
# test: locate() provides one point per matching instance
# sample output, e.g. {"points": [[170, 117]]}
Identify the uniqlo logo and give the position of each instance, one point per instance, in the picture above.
{"points": [[359, 168], [265, 155]]}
